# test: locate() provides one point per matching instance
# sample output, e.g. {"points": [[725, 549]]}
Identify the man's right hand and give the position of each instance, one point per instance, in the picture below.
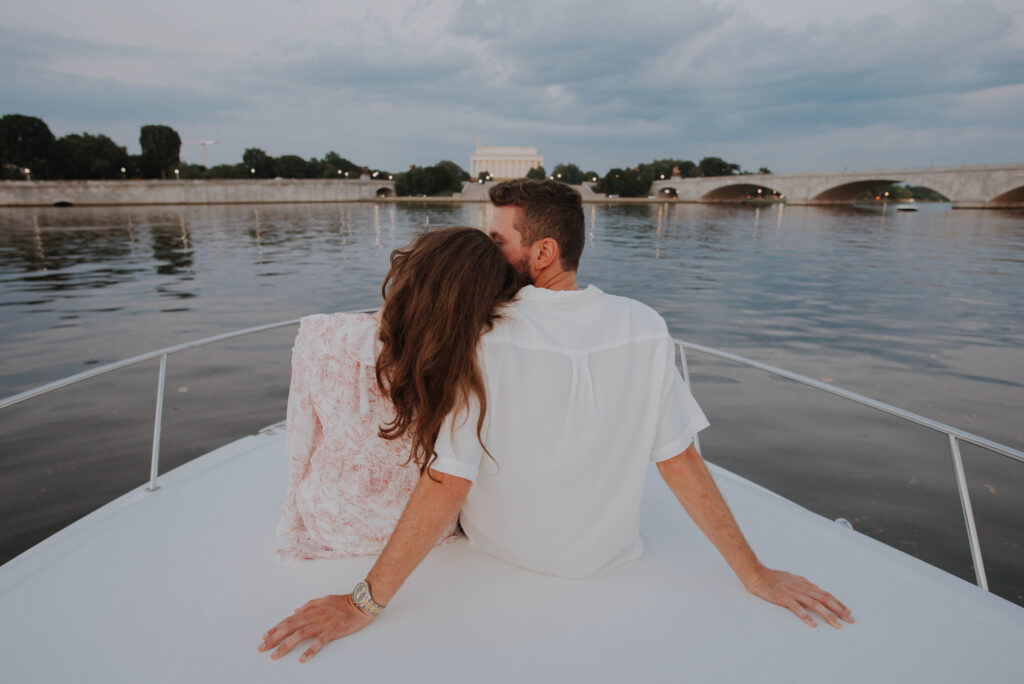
{"points": [[799, 595]]}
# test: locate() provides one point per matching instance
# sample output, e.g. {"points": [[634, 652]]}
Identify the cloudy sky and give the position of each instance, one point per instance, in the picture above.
{"points": [[795, 85]]}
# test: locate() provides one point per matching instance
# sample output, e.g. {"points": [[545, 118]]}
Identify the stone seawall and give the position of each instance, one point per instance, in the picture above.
{"points": [[98, 193]]}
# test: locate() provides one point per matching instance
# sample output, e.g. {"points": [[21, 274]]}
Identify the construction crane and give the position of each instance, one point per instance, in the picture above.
{"points": [[204, 143]]}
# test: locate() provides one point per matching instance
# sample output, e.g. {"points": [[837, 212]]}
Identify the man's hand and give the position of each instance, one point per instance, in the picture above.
{"points": [[322, 620], [800, 595]]}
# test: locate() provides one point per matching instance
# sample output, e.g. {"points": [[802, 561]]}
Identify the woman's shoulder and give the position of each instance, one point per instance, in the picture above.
{"points": [[331, 334]]}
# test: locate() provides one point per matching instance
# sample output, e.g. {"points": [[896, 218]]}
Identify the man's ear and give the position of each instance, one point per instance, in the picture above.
{"points": [[546, 252]]}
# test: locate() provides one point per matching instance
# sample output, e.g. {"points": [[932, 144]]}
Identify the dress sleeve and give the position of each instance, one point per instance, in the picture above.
{"points": [[458, 448], [305, 431], [680, 418]]}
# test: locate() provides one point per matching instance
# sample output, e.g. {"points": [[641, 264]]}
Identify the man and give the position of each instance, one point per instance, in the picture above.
{"points": [[582, 392]]}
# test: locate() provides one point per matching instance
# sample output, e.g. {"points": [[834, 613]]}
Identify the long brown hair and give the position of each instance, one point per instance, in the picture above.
{"points": [[443, 291]]}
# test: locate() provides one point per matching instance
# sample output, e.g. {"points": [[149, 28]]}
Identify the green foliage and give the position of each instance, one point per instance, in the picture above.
{"points": [[624, 183], [483, 175], [25, 142], [536, 173], [88, 157], [455, 169], [263, 163], [764, 171], [443, 178], [228, 171], [188, 171], [716, 166], [568, 173], [336, 166], [291, 166], [590, 176], [161, 150]]}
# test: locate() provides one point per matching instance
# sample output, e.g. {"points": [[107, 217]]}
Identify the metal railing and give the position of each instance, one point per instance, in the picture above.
{"points": [[954, 435]]}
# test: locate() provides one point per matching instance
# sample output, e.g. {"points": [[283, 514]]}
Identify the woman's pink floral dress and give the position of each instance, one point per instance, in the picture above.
{"points": [[347, 487]]}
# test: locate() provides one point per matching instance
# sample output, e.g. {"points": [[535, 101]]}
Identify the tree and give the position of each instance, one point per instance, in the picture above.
{"points": [[590, 176], [441, 179], [228, 171], [161, 149], [764, 171], [536, 173], [88, 157], [568, 173], [456, 170], [716, 166], [291, 166], [25, 142], [256, 159], [624, 183], [333, 163], [484, 175]]}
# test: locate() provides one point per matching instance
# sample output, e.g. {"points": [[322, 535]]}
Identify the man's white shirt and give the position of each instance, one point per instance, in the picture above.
{"points": [[582, 393]]}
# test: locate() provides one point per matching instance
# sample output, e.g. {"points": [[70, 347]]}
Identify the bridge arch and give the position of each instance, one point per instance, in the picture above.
{"points": [[739, 192], [1010, 198], [385, 192], [848, 192], [668, 192]]}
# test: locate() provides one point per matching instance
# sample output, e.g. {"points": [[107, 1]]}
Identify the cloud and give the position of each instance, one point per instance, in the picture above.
{"points": [[600, 84]]}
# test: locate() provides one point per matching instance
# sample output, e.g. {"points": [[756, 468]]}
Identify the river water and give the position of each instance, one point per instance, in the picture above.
{"points": [[921, 310]]}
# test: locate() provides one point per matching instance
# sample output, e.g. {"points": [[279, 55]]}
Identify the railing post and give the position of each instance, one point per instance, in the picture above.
{"points": [[686, 379], [154, 464], [965, 503]]}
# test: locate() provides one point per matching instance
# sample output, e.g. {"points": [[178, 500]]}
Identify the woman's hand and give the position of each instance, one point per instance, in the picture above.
{"points": [[800, 595], [322, 620]]}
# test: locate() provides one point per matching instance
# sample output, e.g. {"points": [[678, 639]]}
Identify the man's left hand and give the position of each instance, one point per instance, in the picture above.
{"points": [[323, 620], [801, 596]]}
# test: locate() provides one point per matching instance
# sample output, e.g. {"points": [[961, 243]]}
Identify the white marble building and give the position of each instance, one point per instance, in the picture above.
{"points": [[504, 162]]}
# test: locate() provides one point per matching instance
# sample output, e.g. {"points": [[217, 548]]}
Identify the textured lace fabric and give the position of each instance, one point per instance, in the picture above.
{"points": [[347, 487]]}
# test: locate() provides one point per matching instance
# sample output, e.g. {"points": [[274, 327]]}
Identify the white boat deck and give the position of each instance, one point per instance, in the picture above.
{"points": [[178, 585]]}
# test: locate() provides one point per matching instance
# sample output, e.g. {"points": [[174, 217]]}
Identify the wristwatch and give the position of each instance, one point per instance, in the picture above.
{"points": [[362, 598]]}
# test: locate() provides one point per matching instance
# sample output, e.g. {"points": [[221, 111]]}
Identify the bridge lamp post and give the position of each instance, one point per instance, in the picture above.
{"points": [[123, 170], [390, 177], [28, 173], [252, 173], [177, 175]]}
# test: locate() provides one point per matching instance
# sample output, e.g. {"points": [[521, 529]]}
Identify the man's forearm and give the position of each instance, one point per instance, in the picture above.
{"points": [[689, 479], [431, 507]]}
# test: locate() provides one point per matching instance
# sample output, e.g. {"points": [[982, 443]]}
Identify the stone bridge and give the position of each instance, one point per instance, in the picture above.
{"points": [[990, 186], [248, 191]]}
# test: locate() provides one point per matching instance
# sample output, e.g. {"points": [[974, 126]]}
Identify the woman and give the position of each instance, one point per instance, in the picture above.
{"points": [[369, 393]]}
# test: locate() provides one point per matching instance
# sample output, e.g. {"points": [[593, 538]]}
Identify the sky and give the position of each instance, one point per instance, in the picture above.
{"points": [[793, 85]]}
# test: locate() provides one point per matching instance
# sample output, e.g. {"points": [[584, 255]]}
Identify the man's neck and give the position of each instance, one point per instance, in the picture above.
{"points": [[556, 280]]}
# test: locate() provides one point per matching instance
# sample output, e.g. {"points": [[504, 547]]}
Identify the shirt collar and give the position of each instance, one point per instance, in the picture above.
{"points": [[540, 294]]}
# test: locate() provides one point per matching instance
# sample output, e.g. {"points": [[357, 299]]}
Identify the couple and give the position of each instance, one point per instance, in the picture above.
{"points": [[531, 414]]}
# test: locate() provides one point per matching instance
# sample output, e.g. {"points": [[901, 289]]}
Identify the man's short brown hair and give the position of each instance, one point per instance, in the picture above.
{"points": [[550, 209]]}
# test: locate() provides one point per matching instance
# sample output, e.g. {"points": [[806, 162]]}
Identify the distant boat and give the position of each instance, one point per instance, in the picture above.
{"points": [[905, 207]]}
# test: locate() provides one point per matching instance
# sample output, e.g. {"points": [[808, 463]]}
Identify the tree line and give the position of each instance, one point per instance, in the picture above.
{"points": [[28, 149]]}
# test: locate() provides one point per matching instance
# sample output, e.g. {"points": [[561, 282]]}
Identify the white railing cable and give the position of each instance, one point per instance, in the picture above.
{"points": [[953, 434]]}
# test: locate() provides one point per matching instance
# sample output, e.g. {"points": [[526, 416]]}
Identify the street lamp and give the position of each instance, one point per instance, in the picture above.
{"points": [[177, 175], [390, 177], [594, 179], [252, 173], [339, 172], [123, 170], [28, 173]]}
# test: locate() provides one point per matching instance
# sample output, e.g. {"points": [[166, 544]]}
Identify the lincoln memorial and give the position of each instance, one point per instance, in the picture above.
{"points": [[504, 162]]}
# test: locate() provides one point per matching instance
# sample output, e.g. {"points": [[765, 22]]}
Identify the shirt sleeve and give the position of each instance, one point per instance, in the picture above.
{"points": [[458, 447], [680, 418]]}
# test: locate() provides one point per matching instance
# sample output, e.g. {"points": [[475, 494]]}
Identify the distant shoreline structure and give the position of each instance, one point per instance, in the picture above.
{"points": [[976, 187]]}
